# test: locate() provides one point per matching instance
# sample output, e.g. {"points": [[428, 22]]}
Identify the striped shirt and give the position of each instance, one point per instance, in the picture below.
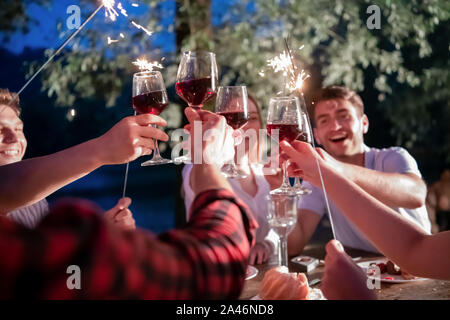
{"points": [[30, 216]]}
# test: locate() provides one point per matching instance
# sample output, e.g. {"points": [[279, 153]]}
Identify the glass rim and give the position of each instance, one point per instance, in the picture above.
{"points": [[195, 52], [229, 87], [146, 73], [285, 98]]}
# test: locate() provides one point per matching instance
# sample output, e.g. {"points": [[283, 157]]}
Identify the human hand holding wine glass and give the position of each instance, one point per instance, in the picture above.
{"points": [[129, 139], [217, 143], [284, 116], [282, 217], [150, 96], [232, 103]]}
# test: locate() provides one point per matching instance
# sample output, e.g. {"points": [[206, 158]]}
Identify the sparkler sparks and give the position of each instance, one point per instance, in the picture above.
{"points": [[142, 28], [283, 63], [145, 65], [280, 63], [122, 10], [110, 11], [111, 40], [112, 14]]}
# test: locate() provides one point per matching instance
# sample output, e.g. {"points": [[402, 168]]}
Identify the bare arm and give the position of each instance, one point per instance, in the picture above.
{"points": [[214, 180], [206, 175], [307, 222], [397, 238], [25, 182], [31, 180], [393, 189]]}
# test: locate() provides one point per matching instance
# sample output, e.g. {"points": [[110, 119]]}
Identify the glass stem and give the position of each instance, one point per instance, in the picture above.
{"points": [[156, 154], [297, 182], [286, 183], [282, 251]]}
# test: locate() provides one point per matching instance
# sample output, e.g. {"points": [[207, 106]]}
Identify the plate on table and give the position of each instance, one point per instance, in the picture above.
{"points": [[251, 272], [387, 277], [314, 294]]}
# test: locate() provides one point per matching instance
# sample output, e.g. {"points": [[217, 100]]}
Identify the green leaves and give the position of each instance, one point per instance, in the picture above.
{"points": [[402, 63]]}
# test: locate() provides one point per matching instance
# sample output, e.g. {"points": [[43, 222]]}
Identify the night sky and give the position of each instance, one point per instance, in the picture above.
{"points": [[44, 34]]}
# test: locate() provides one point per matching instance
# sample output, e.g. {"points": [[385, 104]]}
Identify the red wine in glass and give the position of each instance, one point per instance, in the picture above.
{"points": [[152, 102], [196, 91], [149, 96], [235, 119], [288, 132]]}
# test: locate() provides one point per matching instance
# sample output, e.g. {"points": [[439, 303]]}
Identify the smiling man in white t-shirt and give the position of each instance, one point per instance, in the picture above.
{"points": [[390, 175]]}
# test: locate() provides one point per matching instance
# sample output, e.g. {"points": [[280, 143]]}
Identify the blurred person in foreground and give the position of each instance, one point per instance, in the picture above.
{"points": [[390, 175], [399, 239], [23, 192], [205, 260]]}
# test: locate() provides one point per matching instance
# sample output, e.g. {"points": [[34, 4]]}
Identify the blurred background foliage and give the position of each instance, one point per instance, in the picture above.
{"points": [[402, 70]]}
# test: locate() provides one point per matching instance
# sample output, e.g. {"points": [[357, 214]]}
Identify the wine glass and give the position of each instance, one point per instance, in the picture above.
{"points": [[150, 96], [306, 136], [231, 102], [284, 116], [282, 217], [197, 79]]}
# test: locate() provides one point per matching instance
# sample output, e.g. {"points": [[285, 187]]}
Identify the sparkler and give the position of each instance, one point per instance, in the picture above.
{"points": [[296, 86], [126, 178], [106, 4], [110, 12], [285, 63]]}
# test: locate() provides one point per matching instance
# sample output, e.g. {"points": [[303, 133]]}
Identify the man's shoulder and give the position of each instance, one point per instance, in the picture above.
{"points": [[378, 155], [387, 151], [391, 159]]}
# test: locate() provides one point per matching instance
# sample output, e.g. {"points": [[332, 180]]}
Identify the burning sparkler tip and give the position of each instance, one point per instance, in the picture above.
{"points": [[145, 65]]}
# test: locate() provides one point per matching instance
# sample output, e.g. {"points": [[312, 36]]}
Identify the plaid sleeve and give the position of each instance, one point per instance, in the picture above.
{"points": [[205, 260], [216, 244]]}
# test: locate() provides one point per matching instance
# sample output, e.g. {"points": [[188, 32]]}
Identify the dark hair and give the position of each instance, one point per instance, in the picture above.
{"points": [[258, 108], [11, 99], [336, 92]]}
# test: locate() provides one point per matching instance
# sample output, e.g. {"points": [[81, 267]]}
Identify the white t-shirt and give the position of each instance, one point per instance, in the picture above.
{"points": [[256, 204], [395, 160], [30, 216]]}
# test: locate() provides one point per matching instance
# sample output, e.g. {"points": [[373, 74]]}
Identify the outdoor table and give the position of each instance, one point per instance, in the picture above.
{"points": [[429, 289]]}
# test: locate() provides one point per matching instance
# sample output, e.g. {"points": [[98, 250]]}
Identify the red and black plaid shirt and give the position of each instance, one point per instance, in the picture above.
{"points": [[205, 260]]}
